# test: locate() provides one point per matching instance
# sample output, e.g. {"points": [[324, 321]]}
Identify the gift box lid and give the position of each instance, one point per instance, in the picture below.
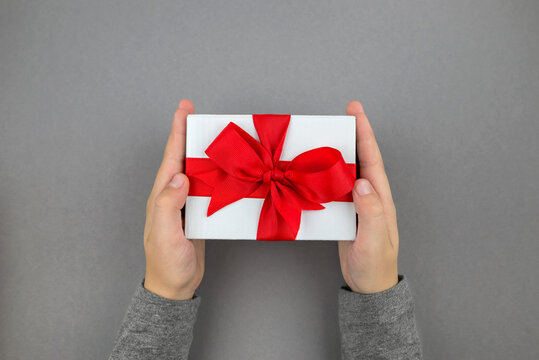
{"points": [[239, 220]]}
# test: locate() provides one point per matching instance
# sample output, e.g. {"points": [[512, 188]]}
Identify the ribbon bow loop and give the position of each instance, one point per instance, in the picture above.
{"points": [[243, 167]]}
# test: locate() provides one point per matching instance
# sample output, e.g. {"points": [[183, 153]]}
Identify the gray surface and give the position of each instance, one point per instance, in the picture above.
{"points": [[87, 92]]}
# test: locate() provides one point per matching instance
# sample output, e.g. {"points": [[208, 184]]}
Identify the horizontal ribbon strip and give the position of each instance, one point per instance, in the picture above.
{"points": [[198, 187]]}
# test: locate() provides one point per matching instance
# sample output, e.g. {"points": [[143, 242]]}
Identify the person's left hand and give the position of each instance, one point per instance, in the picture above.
{"points": [[174, 264]]}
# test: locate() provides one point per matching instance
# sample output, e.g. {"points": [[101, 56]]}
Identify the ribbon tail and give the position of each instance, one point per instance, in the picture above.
{"points": [[280, 216], [227, 190]]}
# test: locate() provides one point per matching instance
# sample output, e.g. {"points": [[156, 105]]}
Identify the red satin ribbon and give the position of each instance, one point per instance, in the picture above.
{"points": [[240, 167]]}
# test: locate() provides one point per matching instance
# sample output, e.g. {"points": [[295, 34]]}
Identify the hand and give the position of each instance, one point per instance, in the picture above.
{"points": [[174, 265], [369, 264]]}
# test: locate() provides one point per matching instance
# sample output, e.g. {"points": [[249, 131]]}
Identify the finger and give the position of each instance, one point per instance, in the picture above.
{"points": [[173, 196], [174, 154], [371, 165], [167, 217], [372, 224]]}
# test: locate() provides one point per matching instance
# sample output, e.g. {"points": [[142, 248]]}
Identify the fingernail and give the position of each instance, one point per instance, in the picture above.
{"points": [[177, 181], [182, 105], [363, 187]]}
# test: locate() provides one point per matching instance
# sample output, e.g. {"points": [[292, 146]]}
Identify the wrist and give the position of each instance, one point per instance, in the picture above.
{"points": [[374, 286], [167, 291]]}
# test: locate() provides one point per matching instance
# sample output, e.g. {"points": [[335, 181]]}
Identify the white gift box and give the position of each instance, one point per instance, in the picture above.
{"points": [[239, 220]]}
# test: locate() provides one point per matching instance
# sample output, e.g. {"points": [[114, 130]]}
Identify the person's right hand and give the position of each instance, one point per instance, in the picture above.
{"points": [[174, 264], [369, 264]]}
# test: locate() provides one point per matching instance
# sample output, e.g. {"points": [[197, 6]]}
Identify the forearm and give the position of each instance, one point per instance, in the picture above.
{"points": [[156, 328], [379, 326]]}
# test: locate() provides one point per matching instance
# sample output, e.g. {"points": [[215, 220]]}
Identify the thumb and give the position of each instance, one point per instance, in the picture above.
{"points": [[172, 198], [370, 211]]}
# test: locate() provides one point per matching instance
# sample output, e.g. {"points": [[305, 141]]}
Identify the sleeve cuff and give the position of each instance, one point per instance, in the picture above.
{"points": [[152, 308], [384, 306]]}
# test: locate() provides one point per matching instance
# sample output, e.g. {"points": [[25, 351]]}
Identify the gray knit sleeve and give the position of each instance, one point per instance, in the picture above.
{"points": [[156, 328], [378, 326]]}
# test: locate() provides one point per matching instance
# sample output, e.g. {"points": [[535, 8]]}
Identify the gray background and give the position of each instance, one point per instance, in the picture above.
{"points": [[87, 93]]}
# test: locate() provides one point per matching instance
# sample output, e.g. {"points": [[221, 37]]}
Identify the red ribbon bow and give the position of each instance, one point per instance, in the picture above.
{"points": [[239, 167]]}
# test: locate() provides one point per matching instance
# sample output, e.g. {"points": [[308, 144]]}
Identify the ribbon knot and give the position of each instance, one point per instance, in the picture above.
{"points": [[239, 166], [274, 174]]}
